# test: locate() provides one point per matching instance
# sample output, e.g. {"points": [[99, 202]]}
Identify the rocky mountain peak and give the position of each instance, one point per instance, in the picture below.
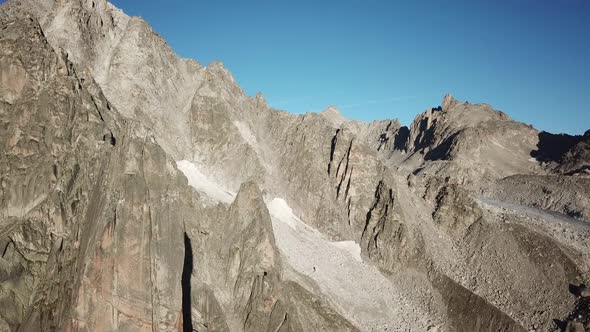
{"points": [[333, 115], [261, 102], [449, 102]]}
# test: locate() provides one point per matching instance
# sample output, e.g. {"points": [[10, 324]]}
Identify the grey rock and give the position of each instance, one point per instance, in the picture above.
{"points": [[574, 327], [99, 230]]}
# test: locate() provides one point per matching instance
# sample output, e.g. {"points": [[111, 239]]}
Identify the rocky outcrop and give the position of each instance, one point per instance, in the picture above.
{"points": [[99, 230], [135, 68], [473, 137], [333, 115], [238, 268], [576, 161], [455, 211], [95, 219], [386, 238], [79, 198]]}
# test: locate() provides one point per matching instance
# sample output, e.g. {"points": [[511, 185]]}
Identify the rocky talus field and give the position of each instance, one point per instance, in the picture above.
{"points": [[140, 191]]}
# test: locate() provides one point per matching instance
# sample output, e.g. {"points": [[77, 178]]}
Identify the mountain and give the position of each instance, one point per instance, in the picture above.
{"points": [[144, 191]]}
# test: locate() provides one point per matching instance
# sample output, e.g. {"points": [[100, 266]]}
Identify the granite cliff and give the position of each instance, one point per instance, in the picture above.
{"points": [[144, 191]]}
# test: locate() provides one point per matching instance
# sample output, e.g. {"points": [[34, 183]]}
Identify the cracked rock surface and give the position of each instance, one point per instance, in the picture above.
{"points": [[143, 191]]}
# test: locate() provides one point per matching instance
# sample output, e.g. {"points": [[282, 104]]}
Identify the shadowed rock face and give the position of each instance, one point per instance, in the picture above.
{"points": [[469, 312], [564, 153], [100, 231], [552, 148], [187, 272]]}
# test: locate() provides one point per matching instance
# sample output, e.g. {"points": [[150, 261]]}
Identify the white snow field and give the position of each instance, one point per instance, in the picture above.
{"points": [[202, 184]]}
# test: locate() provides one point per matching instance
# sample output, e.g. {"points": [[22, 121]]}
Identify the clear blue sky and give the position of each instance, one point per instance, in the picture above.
{"points": [[393, 59]]}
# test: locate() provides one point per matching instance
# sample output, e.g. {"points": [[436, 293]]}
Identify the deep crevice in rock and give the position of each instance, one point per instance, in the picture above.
{"points": [[187, 271], [348, 184], [375, 203], [332, 149], [347, 157]]}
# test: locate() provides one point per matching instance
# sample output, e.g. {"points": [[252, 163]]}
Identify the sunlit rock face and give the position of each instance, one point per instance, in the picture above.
{"points": [[143, 191]]}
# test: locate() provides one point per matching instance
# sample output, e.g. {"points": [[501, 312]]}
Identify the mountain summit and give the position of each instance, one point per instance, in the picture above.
{"points": [[333, 115], [448, 102], [143, 191]]}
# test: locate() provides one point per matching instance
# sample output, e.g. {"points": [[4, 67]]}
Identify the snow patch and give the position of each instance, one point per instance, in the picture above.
{"points": [[279, 209], [358, 290], [352, 247], [202, 184]]}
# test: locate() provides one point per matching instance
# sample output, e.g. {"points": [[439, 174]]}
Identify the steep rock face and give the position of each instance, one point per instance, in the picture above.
{"points": [[237, 267], [222, 141], [93, 215], [576, 161], [386, 236], [475, 138], [81, 206], [202, 114], [388, 138], [122, 218], [245, 261], [564, 153], [136, 69]]}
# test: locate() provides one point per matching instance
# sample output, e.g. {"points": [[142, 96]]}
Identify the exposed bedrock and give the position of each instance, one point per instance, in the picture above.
{"points": [[465, 220]]}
